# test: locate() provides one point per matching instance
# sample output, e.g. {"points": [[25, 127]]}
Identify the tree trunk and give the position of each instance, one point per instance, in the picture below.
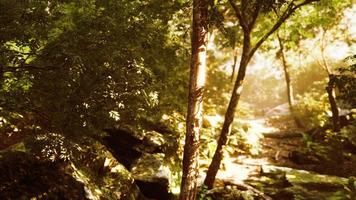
{"points": [[247, 53], [229, 115], [234, 64], [196, 90], [286, 74], [288, 82], [330, 89]]}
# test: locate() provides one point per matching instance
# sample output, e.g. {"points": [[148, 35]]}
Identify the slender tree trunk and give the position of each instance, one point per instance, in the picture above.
{"points": [[234, 64], [330, 89], [229, 115], [196, 90], [288, 82], [286, 74]]}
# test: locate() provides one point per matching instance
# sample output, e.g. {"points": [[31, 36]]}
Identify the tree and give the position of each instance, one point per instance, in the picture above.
{"points": [[247, 13], [107, 61], [326, 16], [289, 87], [286, 73], [331, 86], [195, 98]]}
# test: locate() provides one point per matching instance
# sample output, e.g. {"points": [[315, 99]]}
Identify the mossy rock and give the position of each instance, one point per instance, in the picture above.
{"points": [[223, 193], [73, 167], [152, 176], [23, 176]]}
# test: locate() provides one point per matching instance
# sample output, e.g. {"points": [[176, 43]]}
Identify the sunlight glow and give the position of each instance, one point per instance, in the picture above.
{"points": [[337, 51], [350, 22], [238, 169], [258, 126]]}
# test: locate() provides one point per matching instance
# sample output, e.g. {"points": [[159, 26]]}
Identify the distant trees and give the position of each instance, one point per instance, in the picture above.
{"points": [[195, 100], [323, 18]]}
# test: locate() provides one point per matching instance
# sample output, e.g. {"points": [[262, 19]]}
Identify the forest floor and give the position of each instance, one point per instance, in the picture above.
{"points": [[276, 140], [274, 171]]}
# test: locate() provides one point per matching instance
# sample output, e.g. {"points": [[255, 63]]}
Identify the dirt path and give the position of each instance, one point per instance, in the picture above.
{"points": [[276, 141], [273, 170]]}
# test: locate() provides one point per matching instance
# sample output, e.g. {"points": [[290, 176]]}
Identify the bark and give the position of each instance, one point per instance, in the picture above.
{"points": [[330, 89], [288, 82], [229, 115], [234, 64], [286, 74], [196, 90]]}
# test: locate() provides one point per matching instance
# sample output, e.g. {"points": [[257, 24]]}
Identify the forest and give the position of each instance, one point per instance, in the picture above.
{"points": [[178, 99]]}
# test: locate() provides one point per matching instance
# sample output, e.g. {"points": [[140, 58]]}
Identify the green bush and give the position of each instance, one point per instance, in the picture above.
{"points": [[312, 109]]}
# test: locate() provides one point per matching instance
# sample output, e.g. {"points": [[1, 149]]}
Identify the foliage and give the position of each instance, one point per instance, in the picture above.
{"points": [[351, 188], [88, 162], [202, 195], [312, 108], [309, 77], [222, 193], [69, 69], [238, 140], [241, 142], [348, 134], [101, 63], [346, 82], [327, 146], [24, 177]]}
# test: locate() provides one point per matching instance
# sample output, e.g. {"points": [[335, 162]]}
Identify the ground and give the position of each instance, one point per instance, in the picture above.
{"points": [[274, 171]]}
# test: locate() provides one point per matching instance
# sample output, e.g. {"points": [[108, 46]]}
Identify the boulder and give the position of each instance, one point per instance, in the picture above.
{"points": [[128, 145], [124, 145], [52, 166], [24, 176], [152, 176], [145, 155]]}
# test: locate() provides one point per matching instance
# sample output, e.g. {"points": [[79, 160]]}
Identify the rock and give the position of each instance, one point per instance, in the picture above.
{"points": [[152, 176], [312, 180], [153, 142], [127, 146], [103, 175], [149, 155], [24, 176], [88, 162], [283, 194], [223, 193], [123, 145], [302, 184], [62, 168], [301, 158]]}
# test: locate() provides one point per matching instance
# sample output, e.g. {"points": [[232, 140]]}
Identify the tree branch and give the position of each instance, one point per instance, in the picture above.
{"points": [[322, 49], [254, 16], [291, 8], [239, 16]]}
